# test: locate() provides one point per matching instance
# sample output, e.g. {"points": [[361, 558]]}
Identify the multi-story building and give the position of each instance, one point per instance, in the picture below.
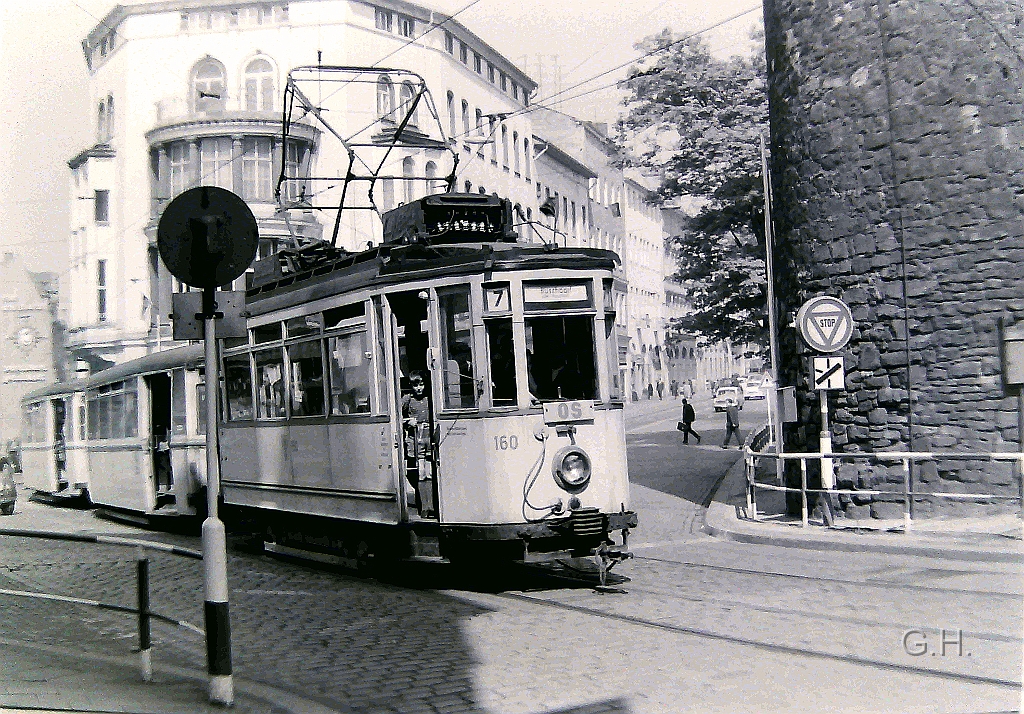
{"points": [[189, 93]]}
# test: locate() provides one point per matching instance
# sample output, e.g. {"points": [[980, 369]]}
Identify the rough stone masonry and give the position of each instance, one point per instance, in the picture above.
{"points": [[897, 137]]}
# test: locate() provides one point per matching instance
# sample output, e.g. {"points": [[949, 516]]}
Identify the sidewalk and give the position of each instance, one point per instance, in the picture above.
{"points": [[992, 539], [40, 678]]}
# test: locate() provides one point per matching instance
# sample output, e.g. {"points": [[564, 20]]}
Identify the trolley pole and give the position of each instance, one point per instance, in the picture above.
{"points": [[215, 561]]}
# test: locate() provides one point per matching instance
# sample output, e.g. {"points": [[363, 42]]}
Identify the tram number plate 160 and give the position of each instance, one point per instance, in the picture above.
{"points": [[566, 412]]}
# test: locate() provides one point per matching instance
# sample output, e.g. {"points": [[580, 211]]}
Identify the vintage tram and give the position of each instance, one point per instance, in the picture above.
{"points": [[516, 446], [129, 440]]}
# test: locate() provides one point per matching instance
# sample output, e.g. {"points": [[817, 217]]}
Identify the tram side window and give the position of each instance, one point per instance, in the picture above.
{"points": [[35, 423], [503, 362], [178, 402], [238, 386], [350, 374], [560, 357], [458, 382], [114, 412], [307, 372], [269, 385], [611, 344]]}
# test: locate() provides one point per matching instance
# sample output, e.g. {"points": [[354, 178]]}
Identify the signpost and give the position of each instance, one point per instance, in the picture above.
{"points": [[207, 237], [826, 324]]}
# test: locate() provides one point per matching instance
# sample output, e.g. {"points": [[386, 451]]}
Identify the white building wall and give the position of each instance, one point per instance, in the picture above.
{"points": [[148, 73]]}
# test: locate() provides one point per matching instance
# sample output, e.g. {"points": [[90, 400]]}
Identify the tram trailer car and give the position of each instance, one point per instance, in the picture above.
{"points": [[54, 461], [134, 438], [518, 451]]}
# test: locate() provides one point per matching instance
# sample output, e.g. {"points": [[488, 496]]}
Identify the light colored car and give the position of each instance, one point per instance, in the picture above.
{"points": [[724, 395], [754, 389]]}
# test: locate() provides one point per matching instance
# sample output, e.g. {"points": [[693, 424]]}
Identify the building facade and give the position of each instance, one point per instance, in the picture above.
{"points": [[30, 355], [190, 93]]}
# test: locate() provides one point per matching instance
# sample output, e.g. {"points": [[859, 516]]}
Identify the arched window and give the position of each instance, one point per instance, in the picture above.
{"points": [[504, 146], [494, 140], [208, 87], [406, 107], [515, 151], [465, 120], [408, 171], [387, 193], [385, 99], [431, 171], [451, 115], [526, 159], [259, 86]]}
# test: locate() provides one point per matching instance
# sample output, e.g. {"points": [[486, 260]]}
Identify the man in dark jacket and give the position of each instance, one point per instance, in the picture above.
{"points": [[732, 424], [685, 424]]}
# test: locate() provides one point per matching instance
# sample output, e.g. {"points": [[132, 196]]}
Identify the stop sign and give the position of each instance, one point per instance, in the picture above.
{"points": [[207, 237]]}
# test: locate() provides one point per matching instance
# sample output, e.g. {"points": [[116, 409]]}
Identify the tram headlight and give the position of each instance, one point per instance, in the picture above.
{"points": [[571, 469]]}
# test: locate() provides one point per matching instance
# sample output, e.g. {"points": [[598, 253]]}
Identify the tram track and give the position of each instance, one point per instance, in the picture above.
{"points": [[876, 584], [774, 647]]}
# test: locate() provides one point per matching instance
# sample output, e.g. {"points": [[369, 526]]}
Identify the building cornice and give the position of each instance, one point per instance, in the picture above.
{"points": [[227, 124], [549, 149], [97, 151]]}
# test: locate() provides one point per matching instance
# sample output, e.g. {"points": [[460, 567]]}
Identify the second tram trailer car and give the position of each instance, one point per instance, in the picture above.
{"points": [[131, 437], [515, 451]]}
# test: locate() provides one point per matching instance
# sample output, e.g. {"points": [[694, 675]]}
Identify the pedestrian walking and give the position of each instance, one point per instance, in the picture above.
{"points": [[687, 391], [673, 388], [732, 423], [661, 390], [650, 391], [686, 420]]}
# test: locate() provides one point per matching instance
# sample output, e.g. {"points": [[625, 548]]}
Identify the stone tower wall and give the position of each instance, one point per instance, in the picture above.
{"points": [[897, 134]]}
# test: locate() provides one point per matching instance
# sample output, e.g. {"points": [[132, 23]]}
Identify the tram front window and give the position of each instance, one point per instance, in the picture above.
{"points": [[560, 357], [503, 362]]}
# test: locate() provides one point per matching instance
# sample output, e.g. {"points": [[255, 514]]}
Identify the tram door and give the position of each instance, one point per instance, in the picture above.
{"points": [[410, 327], [160, 436], [60, 453]]}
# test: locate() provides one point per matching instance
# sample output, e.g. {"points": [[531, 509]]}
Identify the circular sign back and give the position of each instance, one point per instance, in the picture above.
{"points": [[825, 323], [207, 237]]}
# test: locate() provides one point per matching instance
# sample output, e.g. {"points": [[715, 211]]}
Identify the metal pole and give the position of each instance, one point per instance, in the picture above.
{"points": [[145, 641], [1020, 449], [773, 327], [908, 500], [215, 560], [803, 492], [748, 467]]}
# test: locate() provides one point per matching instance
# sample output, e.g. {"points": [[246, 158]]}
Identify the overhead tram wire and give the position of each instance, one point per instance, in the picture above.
{"points": [[539, 103]]}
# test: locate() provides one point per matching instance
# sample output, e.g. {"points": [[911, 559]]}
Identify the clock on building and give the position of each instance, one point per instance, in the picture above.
{"points": [[25, 338]]}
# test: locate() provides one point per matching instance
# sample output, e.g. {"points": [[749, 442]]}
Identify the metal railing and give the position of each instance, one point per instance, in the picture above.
{"points": [[145, 615], [758, 439]]}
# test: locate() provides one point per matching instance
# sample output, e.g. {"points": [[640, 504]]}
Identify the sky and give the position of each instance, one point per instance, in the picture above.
{"points": [[46, 117]]}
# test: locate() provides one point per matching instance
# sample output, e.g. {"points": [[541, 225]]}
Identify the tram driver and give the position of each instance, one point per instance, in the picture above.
{"points": [[418, 452]]}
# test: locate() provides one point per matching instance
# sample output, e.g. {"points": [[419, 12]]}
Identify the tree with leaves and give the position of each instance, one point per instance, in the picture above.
{"points": [[697, 122]]}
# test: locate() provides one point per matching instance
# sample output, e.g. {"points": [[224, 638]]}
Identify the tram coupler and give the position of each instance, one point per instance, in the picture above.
{"points": [[607, 557]]}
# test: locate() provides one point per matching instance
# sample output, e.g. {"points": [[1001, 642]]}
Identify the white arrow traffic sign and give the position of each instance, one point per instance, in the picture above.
{"points": [[825, 323]]}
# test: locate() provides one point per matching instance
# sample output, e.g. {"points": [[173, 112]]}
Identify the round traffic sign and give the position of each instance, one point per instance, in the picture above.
{"points": [[207, 237], [825, 323]]}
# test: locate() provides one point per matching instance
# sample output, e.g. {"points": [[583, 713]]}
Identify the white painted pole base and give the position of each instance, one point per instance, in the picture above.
{"points": [[222, 689], [146, 664]]}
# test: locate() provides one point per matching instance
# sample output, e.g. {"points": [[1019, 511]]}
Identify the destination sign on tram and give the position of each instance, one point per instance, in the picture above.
{"points": [[568, 412], [544, 295]]}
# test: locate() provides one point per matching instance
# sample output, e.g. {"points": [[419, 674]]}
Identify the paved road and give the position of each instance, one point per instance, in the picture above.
{"points": [[702, 625]]}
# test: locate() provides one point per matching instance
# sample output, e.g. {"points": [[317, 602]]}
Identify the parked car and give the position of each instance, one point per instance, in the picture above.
{"points": [[726, 394], [10, 464], [754, 389]]}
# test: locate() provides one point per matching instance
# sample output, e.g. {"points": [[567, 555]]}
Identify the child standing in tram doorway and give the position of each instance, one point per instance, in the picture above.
{"points": [[416, 416]]}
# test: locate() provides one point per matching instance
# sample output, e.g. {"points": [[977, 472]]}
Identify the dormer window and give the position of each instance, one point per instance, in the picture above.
{"points": [[382, 19], [406, 26]]}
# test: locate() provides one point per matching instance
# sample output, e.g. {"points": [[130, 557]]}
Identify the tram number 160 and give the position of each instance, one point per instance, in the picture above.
{"points": [[504, 443]]}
